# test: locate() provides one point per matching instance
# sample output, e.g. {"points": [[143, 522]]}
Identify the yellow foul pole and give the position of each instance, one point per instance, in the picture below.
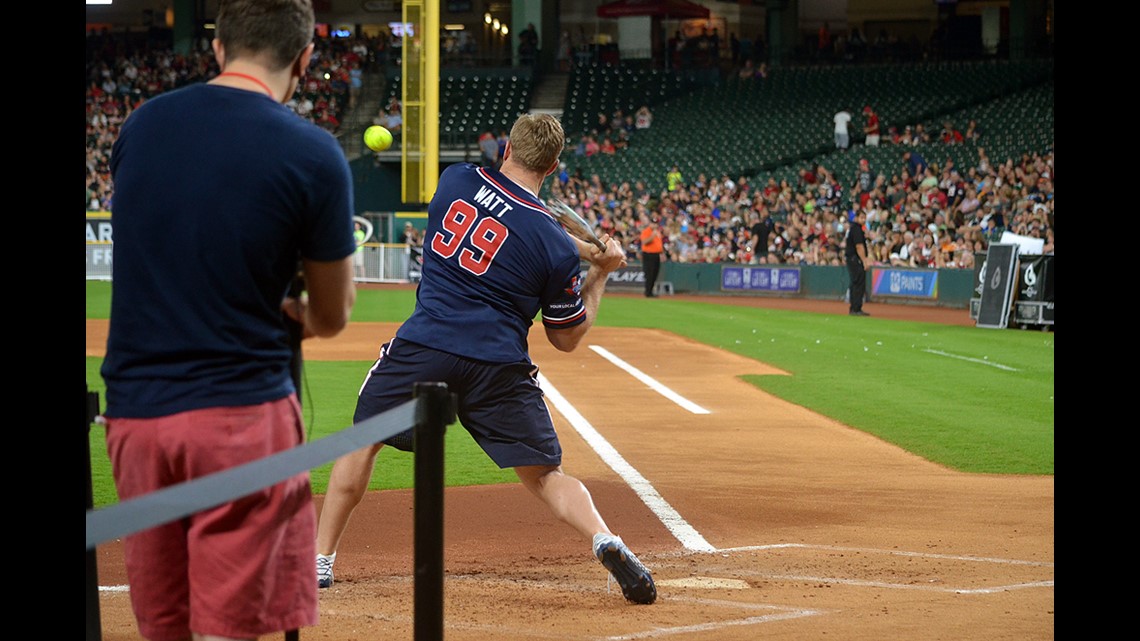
{"points": [[419, 160]]}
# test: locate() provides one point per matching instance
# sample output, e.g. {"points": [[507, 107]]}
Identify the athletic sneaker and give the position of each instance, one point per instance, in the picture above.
{"points": [[324, 570], [635, 580]]}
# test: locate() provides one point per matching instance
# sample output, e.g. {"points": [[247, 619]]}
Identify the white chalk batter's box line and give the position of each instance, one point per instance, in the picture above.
{"points": [[770, 613], [530, 632], [1045, 583]]}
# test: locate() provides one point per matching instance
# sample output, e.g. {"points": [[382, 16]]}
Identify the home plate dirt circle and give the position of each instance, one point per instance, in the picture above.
{"points": [[705, 582]]}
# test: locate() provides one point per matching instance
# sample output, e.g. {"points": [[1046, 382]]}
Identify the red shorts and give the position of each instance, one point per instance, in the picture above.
{"points": [[243, 569]]}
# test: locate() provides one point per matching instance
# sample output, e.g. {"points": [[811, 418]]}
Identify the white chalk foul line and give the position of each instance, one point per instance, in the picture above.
{"points": [[971, 359], [898, 586], [650, 381], [678, 526], [928, 555], [906, 586]]}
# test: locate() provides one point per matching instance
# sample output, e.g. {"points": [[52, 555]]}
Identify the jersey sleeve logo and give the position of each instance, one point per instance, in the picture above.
{"points": [[575, 288]]}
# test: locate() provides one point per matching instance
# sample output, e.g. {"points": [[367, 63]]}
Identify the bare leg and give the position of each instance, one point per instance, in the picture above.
{"points": [[571, 502], [347, 484], [566, 497]]}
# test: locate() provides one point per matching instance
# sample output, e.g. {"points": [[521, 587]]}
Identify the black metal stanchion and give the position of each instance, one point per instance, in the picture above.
{"points": [[434, 413], [94, 622], [296, 368], [296, 334]]}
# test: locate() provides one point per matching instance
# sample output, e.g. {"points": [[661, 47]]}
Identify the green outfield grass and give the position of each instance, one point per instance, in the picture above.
{"points": [[975, 400]]}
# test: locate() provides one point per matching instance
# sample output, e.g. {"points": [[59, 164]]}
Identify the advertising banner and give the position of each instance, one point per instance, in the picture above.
{"points": [[979, 274], [99, 245], [912, 283], [998, 286], [623, 278], [1036, 281], [783, 280]]}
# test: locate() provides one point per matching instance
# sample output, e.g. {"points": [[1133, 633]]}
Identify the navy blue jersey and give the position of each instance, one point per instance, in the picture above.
{"points": [[493, 257], [218, 192]]}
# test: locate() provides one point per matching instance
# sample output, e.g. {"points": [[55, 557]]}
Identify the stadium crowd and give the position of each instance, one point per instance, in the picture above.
{"points": [[919, 214], [938, 217], [121, 77]]}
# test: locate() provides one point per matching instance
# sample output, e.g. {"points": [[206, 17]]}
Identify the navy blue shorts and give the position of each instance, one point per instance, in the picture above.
{"points": [[500, 404]]}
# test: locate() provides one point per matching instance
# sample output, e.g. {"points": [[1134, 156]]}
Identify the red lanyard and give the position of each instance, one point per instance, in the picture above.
{"points": [[250, 78]]}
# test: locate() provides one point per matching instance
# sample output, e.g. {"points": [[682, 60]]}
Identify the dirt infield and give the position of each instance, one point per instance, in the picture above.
{"points": [[760, 519]]}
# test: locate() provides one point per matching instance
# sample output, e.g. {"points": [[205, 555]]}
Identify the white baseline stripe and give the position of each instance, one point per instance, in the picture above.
{"points": [[651, 382], [685, 533], [971, 359]]}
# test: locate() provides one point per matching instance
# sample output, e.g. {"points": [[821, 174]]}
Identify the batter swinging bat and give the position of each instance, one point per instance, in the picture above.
{"points": [[574, 224]]}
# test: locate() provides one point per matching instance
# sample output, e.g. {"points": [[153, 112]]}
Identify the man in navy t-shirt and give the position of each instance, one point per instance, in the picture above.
{"points": [[915, 164], [221, 194]]}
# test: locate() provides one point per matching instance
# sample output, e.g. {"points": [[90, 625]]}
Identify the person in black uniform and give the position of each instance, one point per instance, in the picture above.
{"points": [[856, 255], [762, 228]]}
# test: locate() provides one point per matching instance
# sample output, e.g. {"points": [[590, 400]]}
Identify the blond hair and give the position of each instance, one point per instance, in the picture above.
{"points": [[537, 140]]}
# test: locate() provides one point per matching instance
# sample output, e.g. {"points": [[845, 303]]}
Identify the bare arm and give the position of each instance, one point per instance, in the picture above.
{"points": [[325, 308], [601, 264]]}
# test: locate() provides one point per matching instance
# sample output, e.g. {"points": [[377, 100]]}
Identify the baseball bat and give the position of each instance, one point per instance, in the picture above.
{"points": [[366, 227], [574, 224]]}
